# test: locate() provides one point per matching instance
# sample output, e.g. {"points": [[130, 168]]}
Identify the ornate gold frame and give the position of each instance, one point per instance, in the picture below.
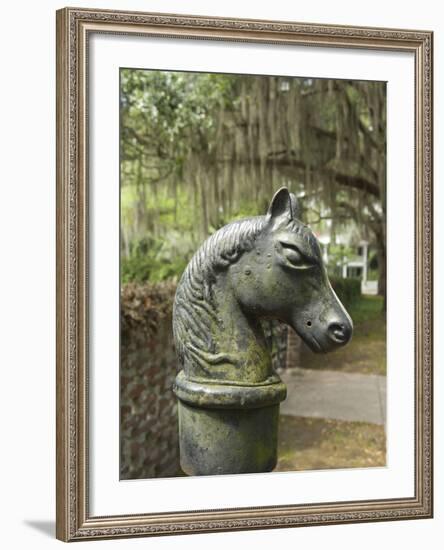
{"points": [[73, 519]]}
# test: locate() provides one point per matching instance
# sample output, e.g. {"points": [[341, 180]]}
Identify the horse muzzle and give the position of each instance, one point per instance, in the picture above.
{"points": [[325, 335]]}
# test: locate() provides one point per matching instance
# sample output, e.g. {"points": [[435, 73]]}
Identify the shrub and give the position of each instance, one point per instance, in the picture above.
{"points": [[146, 305], [348, 290]]}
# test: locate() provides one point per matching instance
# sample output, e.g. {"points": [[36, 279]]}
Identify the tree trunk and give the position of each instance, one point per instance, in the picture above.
{"points": [[382, 268]]}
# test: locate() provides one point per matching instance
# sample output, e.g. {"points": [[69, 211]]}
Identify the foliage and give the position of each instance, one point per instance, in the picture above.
{"points": [[145, 306], [199, 150], [367, 308], [337, 255], [163, 112], [372, 275], [347, 290], [153, 260]]}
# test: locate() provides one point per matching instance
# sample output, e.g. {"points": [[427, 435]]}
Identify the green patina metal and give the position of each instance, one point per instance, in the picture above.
{"points": [[226, 441], [263, 267]]}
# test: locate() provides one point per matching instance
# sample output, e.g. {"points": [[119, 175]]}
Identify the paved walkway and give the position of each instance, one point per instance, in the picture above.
{"points": [[337, 395]]}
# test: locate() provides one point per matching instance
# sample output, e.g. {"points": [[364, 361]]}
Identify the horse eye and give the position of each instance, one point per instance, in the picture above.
{"points": [[294, 256]]}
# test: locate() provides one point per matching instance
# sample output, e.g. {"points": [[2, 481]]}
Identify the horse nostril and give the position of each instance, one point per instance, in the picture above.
{"points": [[338, 332]]}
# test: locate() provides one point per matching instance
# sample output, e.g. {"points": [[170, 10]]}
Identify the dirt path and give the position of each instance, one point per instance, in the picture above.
{"points": [[318, 443]]}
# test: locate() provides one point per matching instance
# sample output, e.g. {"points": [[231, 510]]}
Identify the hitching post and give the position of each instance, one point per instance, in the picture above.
{"points": [[259, 268]]}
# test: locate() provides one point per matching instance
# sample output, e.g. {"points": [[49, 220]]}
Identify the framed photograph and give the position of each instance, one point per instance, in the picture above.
{"points": [[244, 274]]}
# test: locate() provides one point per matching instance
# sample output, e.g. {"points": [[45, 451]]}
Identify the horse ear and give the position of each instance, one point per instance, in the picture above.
{"points": [[283, 203], [296, 210], [280, 204]]}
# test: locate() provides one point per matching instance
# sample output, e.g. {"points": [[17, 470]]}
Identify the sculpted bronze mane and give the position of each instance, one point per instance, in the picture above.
{"points": [[258, 268]]}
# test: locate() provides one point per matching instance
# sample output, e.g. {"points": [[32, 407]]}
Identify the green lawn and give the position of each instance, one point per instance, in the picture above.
{"points": [[366, 353]]}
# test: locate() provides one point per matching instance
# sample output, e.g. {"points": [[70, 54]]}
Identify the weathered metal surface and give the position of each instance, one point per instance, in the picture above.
{"points": [[254, 269], [227, 441]]}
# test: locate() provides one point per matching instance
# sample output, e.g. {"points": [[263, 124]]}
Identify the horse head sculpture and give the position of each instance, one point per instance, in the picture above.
{"points": [[265, 267]]}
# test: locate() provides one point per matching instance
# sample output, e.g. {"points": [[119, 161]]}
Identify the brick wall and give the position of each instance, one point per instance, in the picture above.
{"points": [[148, 410]]}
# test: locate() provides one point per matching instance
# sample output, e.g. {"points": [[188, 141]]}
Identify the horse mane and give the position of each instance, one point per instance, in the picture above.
{"points": [[195, 307]]}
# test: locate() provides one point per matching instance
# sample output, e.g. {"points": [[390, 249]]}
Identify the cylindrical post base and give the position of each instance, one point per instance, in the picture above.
{"points": [[228, 428], [227, 441]]}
